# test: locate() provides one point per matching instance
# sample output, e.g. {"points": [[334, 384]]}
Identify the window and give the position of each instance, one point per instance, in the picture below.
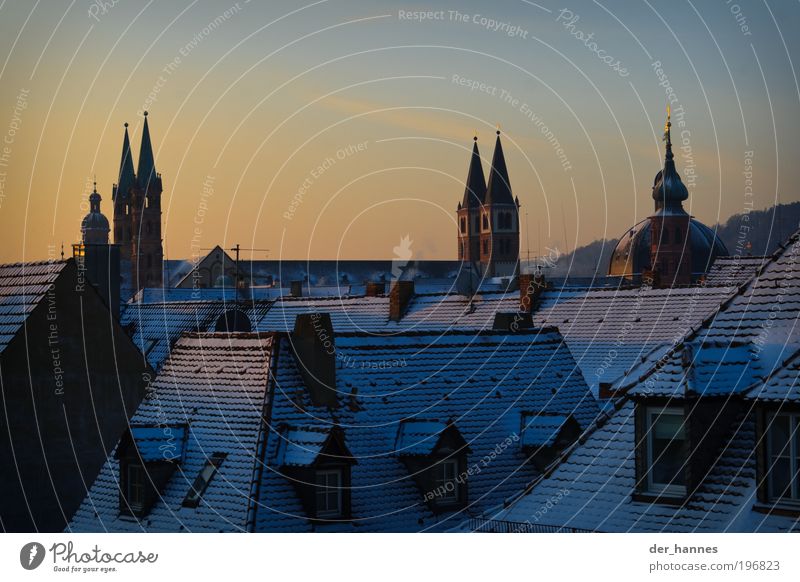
{"points": [[486, 222], [445, 481], [783, 458], [329, 493], [202, 480], [463, 225], [666, 451], [135, 489]]}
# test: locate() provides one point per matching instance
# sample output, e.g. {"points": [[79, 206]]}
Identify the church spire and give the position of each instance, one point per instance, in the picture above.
{"points": [[498, 191], [475, 191], [126, 177], [146, 173], [668, 189]]}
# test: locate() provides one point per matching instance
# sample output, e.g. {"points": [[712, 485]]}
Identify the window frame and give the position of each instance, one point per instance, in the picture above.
{"points": [[140, 484], [194, 496], [652, 487], [793, 455], [323, 490], [440, 481]]}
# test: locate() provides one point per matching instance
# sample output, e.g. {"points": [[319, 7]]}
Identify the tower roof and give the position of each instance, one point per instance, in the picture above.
{"points": [[126, 178], [498, 191], [475, 191], [146, 173], [668, 189]]}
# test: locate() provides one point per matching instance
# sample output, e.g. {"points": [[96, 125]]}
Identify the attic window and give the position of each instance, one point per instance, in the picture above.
{"points": [[665, 451], [202, 480], [329, 493], [445, 481], [783, 459], [136, 483]]}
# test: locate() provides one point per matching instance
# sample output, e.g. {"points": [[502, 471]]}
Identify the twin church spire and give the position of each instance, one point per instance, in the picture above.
{"points": [[488, 218], [137, 213]]}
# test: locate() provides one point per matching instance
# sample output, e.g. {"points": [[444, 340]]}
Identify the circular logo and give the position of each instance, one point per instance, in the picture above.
{"points": [[31, 555]]}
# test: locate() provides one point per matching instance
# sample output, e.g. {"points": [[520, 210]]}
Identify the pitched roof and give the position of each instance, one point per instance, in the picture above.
{"points": [[481, 383], [733, 270], [215, 385], [595, 483], [542, 430], [22, 287], [154, 327]]}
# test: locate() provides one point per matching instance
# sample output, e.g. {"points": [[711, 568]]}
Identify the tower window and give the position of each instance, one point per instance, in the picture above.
{"points": [[485, 222], [463, 225]]}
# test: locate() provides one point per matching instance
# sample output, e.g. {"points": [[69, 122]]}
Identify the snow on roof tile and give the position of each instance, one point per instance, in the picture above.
{"points": [[22, 287], [159, 443], [154, 327], [481, 382], [300, 447], [418, 437], [599, 477], [541, 430], [216, 385]]}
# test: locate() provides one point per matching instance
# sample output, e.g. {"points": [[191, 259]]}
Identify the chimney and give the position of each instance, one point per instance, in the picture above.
{"points": [[315, 352], [399, 296], [530, 288], [296, 288], [375, 288]]}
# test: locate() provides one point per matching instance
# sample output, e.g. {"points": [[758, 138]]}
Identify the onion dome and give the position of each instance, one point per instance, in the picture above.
{"points": [[631, 256], [668, 189], [94, 225]]}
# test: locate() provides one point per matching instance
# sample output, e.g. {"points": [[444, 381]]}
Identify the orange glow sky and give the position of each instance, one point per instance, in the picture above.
{"points": [[257, 102]]}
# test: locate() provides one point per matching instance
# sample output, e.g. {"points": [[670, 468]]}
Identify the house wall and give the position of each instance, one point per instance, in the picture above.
{"points": [[70, 380]]}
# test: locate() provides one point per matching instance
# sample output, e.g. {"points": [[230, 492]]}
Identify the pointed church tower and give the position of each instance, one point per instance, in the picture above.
{"points": [[670, 229], [499, 232], [121, 198], [145, 248], [469, 210]]}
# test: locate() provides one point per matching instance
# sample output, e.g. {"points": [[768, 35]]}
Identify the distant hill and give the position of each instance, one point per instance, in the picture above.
{"points": [[767, 228]]}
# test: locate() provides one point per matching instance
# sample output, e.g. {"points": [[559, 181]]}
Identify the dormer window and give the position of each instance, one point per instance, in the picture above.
{"points": [[663, 454], [318, 464], [148, 455], [435, 455], [783, 459]]}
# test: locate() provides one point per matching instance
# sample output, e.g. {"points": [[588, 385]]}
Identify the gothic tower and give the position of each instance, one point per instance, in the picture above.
{"points": [[145, 204], [469, 210], [499, 221], [670, 240], [120, 196]]}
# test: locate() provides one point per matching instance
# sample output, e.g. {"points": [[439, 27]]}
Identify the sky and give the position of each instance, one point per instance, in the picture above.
{"points": [[334, 129]]}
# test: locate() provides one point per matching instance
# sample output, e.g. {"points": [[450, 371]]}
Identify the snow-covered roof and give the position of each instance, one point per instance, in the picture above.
{"points": [[542, 430], [215, 385], [733, 270], [22, 287], [154, 327], [418, 437], [480, 383], [300, 446], [593, 487]]}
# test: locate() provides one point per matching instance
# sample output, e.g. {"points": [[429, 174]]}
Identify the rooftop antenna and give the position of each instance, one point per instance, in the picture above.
{"points": [[528, 236]]}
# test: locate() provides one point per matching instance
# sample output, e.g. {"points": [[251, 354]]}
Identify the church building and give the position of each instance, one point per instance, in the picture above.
{"points": [[137, 214], [488, 218]]}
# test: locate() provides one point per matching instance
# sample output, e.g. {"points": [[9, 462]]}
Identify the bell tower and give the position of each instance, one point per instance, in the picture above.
{"points": [[469, 210]]}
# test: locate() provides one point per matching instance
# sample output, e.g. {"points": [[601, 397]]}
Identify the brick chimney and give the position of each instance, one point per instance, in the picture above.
{"points": [[530, 288], [375, 288], [296, 288], [399, 296], [315, 352]]}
